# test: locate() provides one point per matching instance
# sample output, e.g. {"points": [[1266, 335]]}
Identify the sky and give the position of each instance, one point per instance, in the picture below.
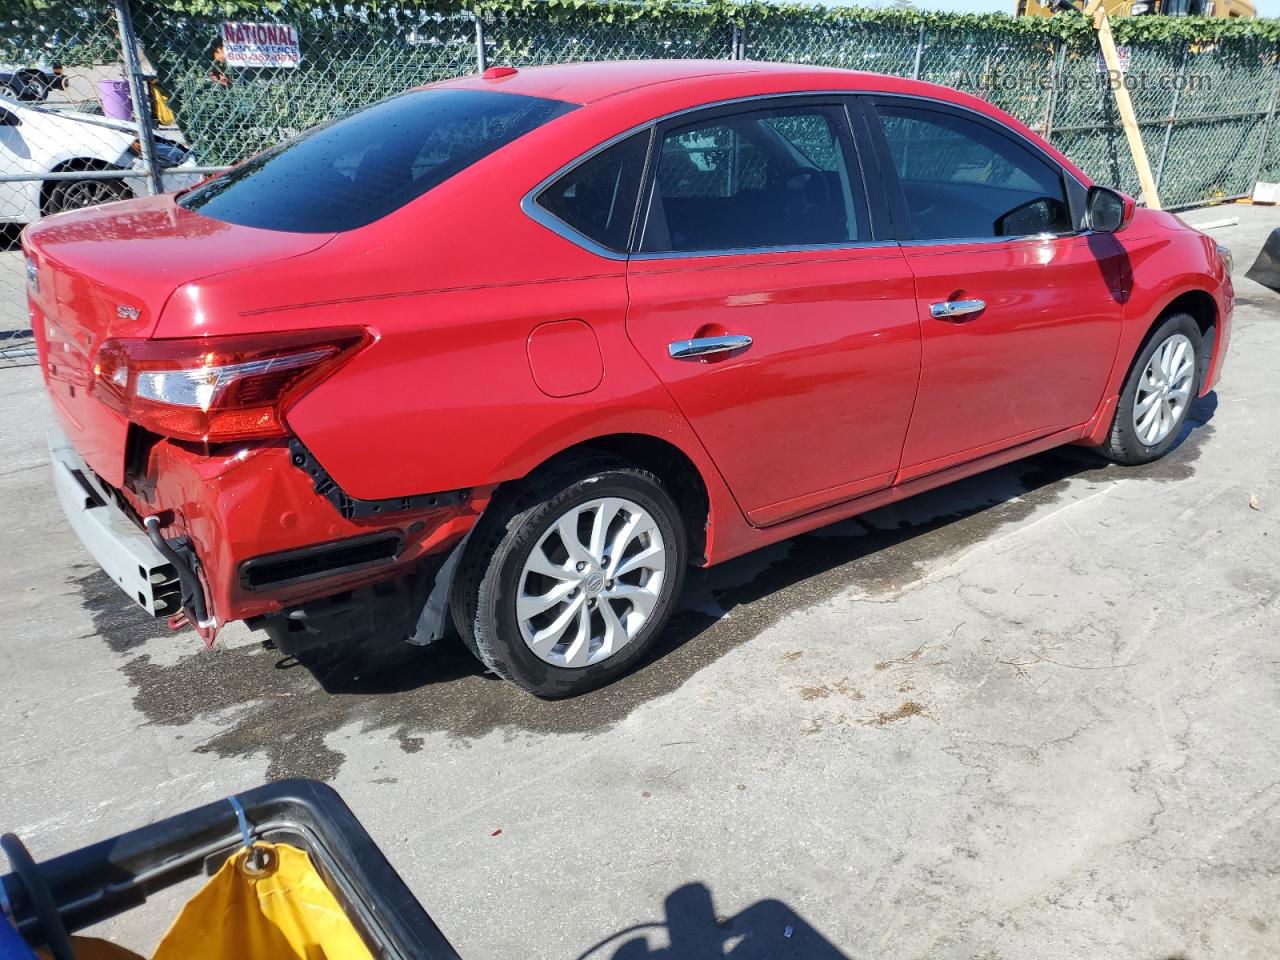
{"points": [[1266, 8]]}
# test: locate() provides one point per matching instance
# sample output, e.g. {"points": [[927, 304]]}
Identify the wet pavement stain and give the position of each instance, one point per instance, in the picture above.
{"points": [[115, 617], [265, 705], [909, 709]]}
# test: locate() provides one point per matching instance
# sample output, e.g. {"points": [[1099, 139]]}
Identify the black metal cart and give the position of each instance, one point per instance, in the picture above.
{"points": [[49, 900]]}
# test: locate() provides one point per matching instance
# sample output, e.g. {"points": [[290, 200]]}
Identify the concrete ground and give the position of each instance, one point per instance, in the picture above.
{"points": [[1035, 715]]}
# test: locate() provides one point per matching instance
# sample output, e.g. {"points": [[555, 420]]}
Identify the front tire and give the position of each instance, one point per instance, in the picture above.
{"points": [[572, 576], [1158, 393]]}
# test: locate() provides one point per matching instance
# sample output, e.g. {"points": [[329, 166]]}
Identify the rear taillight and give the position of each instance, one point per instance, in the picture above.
{"points": [[216, 389]]}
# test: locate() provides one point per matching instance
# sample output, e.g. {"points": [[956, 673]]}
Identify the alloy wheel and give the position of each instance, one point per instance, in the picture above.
{"points": [[1164, 389], [591, 582], [86, 193]]}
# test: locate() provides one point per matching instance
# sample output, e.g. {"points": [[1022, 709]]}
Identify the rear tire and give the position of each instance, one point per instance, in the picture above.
{"points": [[1158, 393], [569, 578]]}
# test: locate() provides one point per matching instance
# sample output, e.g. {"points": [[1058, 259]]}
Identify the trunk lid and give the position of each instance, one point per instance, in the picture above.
{"points": [[107, 272]]}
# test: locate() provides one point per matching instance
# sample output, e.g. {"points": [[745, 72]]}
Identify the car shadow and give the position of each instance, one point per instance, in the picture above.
{"points": [[882, 550], [1113, 264], [692, 930]]}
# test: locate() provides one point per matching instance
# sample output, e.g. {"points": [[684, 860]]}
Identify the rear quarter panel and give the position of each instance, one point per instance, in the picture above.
{"points": [[452, 286], [446, 397]]}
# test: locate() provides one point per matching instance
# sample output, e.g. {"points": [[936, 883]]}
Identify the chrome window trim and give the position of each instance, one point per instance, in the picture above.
{"points": [[1031, 144], [1024, 238], [557, 226], [745, 251], [539, 214], [529, 204]]}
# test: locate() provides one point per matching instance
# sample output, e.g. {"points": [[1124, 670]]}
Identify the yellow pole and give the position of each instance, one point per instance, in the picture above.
{"points": [[1127, 117]]}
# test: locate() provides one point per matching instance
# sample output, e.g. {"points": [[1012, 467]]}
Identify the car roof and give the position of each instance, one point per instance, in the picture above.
{"points": [[645, 89], [585, 83]]}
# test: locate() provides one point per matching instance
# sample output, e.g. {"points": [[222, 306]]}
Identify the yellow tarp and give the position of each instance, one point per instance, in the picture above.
{"points": [[286, 913]]}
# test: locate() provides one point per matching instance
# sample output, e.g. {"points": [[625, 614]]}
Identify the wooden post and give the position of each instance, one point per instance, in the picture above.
{"points": [[1127, 117]]}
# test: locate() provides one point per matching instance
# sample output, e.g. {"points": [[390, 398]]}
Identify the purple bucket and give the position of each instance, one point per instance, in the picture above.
{"points": [[115, 99]]}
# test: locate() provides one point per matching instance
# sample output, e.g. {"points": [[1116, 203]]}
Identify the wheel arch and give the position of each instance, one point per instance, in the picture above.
{"points": [[1192, 298], [1203, 308], [75, 165], [674, 467]]}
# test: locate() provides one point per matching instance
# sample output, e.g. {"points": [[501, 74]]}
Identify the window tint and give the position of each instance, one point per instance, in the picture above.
{"points": [[772, 178], [962, 179], [598, 196], [352, 171]]}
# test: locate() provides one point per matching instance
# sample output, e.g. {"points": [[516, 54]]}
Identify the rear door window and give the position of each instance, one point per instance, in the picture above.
{"points": [[353, 171], [962, 179], [763, 178]]}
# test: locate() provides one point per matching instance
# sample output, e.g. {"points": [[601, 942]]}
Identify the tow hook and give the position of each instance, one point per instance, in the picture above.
{"points": [[192, 590]]}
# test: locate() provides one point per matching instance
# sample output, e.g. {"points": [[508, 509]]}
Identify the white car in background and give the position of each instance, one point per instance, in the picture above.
{"points": [[36, 140]]}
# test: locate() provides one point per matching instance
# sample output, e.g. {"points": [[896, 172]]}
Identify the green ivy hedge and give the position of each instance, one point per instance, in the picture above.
{"points": [[355, 52], [1064, 25]]}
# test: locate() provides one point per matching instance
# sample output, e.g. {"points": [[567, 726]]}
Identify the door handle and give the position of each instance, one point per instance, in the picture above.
{"points": [[956, 308], [705, 346]]}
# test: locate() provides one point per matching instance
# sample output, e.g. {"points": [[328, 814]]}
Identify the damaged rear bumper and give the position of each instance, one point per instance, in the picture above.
{"points": [[253, 534], [111, 536]]}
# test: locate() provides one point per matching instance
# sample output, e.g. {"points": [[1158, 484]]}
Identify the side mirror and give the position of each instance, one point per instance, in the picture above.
{"points": [[8, 119], [1107, 210]]}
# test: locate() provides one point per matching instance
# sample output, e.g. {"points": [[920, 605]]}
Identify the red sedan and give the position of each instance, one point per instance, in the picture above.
{"points": [[521, 346]]}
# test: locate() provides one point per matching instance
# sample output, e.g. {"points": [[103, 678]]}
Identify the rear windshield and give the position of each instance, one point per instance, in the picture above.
{"points": [[352, 171]]}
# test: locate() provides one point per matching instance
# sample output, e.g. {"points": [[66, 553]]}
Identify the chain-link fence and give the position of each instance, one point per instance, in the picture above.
{"points": [[229, 113], [51, 124], [72, 90]]}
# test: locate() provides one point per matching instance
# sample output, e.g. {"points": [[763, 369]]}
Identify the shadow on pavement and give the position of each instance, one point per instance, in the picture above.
{"points": [[410, 693], [767, 930], [879, 544]]}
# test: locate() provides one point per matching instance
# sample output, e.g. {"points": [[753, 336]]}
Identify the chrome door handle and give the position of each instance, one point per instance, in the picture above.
{"points": [[705, 346], [956, 308]]}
